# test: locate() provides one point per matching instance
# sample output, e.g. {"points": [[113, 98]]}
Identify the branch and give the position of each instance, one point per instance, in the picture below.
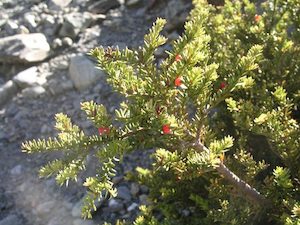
{"points": [[242, 185]]}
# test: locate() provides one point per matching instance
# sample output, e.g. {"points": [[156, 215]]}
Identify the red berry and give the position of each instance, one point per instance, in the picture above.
{"points": [[178, 58], [178, 81], [103, 130], [223, 85], [166, 129], [257, 18]]}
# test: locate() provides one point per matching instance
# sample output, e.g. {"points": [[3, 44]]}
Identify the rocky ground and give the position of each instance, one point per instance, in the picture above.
{"points": [[44, 70]]}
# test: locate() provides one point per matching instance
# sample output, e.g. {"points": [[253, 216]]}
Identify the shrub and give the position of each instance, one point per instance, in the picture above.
{"points": [[220, 110]]}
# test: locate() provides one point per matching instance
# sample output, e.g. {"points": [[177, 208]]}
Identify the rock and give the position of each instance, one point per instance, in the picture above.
{"points": [[58, 4], [103, 6], [134, 189], [74, 23], [11, 220], [131, 3], [132, 207], [83, 222], [45, 207], [83, 72], [24, 48], [23, 30], [30, 21], [17, 170], [27, 78], [124, 193], [76, 210], [67, 41], [57, 43], [57, 88], [143, 199], [33, 92], [7, 91], [11, 27], [117, 179], [115, 205], [48, 24]]}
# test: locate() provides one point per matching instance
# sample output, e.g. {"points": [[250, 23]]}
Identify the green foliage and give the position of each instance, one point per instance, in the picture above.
{"points": [[232, 75]]}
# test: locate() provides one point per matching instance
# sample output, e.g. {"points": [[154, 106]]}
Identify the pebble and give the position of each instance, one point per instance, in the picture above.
{"points": [[115, 205], [124, 193], [27, 78], [134, 189], [11, 220], [33, 92], [45, 207], [132, 207], [17, 170]]}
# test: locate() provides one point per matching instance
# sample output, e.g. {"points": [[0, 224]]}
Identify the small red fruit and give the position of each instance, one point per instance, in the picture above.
{"points": [[178, 58], [103, 130], [223, 85], [166, 129], [178, 81], [257, 18]]}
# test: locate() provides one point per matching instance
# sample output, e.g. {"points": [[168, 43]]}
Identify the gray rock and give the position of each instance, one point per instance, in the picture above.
{"points": [[11, 220], [23, 30], [58, 4], [76, 210], [57, 88], [74, 23], [17, 170], [11, 27], [83, 72], [45, 207], [103, 6], [56, 43], [131, 3], [117, 179], [132, 207], [33, 92], [27, 78], [143, 199], [24, 48], [30, 21], [124, 193], [115, 205], [7, 90], [134, 189], [82, 222], [66, 41]]}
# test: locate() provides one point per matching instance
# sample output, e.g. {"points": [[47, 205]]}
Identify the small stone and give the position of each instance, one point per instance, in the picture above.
{"points": [[45, 207], [57, 42], [7, 90], [83, 72], [76, 210], [24, 48], [17, 170], [59, 4], [117, 179], [30, 20], [66, 41], [74, 23], [27, 78], [132, 207], [82, 222], [11, 220], [11, 27], [33, 92], [23, 30], [124, 193], [131, 3], [115, 205], [134, 189], [103, 6], [144, 189], [144, 199]]}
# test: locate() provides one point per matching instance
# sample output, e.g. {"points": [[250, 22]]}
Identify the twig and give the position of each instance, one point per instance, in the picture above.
{"points": [[242, 185]]}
